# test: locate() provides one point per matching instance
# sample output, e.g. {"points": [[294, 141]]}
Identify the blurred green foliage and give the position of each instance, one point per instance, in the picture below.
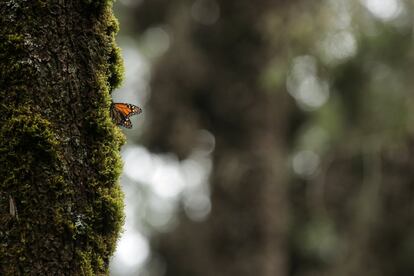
{"points": [[347, 67]]}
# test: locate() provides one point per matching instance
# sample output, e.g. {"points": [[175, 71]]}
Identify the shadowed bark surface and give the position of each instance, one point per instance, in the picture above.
{"points": [[59, 151]]}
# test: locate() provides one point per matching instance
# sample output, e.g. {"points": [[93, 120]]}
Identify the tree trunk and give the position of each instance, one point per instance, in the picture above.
{"points": [[59, 151], [213, 79]]}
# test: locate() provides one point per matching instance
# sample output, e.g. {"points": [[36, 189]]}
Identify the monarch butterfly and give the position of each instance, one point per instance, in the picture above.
{"points": [[120, 113]]}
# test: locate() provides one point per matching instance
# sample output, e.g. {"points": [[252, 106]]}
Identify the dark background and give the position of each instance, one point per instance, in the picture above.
{"points": [[276, 137]]}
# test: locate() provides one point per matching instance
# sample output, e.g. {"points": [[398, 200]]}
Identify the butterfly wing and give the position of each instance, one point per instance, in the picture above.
{"points": [[127, 110], [120, 113], [127, 123]]}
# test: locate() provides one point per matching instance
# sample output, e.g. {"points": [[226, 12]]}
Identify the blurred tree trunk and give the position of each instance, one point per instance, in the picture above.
{"points": [[375, 219], [368, 189], [213, 79], [354, 214], [59, 151]]}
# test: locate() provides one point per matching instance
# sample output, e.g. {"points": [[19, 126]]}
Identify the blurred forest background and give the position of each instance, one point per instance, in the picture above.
{"points": [[276, 137]]}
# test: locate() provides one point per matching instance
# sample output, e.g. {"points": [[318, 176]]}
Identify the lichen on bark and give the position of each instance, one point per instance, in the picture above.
{"points": [[59, 150]]}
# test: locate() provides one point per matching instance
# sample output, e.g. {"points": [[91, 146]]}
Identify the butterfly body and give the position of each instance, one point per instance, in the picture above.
{"points": [[120, 113]]}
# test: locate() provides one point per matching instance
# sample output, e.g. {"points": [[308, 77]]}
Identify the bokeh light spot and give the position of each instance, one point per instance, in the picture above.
{"points": [[133, 249], [339, 46], [384, 9], [305, 163], [206, 12], [303, 84], [156, 41], [197, 207]]}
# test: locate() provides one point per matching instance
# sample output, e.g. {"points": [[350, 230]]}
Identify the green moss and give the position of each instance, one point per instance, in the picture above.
{"points": [[14, 38], [86, 266], [29, 147], [25, 138], [60, 167], [116, 69]]}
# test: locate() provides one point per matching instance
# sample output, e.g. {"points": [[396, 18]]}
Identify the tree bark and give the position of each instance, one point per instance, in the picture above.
{"points": [[59, 150]]}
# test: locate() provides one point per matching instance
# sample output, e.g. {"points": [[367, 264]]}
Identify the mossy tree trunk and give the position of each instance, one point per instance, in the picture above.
{"points": [[59, 151]]}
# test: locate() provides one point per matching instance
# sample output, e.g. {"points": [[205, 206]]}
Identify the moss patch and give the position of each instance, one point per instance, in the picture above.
{"points": [[59, 150]]}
